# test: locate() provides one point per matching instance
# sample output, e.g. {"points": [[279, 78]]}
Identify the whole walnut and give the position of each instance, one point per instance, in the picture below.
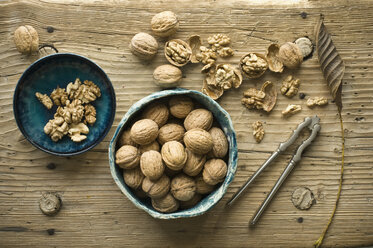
{"points": [[158, 188], [214, 171], [125, 139], [190, 203], [202, 187], [220, 143], [170, 132], [151, 165], [127, 157], [157, 112], [198, 118], [166, 204], [154, 146], [144, 46], [183, 187], [165, 23], [167, 76], [133, 178], [26, 39], [180, 106], [290, 55], [144, 131], [174, 155], [194, 163], [198, 141]]}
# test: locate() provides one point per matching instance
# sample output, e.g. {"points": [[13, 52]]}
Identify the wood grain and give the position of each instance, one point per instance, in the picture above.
{"points": [[96, 214]]}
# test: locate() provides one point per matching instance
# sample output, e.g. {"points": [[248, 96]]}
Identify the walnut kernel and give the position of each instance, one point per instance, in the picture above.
{"points": [[258, 131], [290, 86], [59, 96], [291, 109], [265, 98], [56, 128], [76, 132], [90, 114], [316, 101], [44, 99], [226, 77]]}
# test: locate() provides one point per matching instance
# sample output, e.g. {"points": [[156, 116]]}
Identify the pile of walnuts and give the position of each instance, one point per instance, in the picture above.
{"points": [[173, 154]]}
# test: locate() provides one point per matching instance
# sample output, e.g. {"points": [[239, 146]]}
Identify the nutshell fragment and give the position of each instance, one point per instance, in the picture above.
{"points": [[273, 60], [258, 131], [44, 99], [302, 198], [291, 109], [316, 101], [290, 86], [305, 45]]}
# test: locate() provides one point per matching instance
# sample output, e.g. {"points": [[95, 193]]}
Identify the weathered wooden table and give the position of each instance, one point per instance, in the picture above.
{"points": [[96, 214]]}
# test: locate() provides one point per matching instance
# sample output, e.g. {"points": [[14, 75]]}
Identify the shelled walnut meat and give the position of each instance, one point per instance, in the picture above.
{"points": [[74, 110], [265, 98], [174, 161], [290, 86]]}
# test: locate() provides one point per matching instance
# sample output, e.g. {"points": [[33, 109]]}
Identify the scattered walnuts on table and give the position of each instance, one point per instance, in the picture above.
{"points": [[26, 39], [316, 101], [167, 76], [265, 98], [165, 24], [291, 109], [144, 46], [180, 174], [258, 131], [290, 55], [290, 86]]}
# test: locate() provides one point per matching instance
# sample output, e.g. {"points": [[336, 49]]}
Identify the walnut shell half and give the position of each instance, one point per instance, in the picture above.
{"points": [[195, 43], [274, 63], [270, 98]]}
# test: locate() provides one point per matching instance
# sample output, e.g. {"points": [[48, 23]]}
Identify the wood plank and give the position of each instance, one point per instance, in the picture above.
{"points": [[95, 213]]}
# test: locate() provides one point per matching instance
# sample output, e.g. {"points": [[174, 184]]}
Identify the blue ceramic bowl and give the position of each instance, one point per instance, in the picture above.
{"points": [[44, 76], [225, 123]]}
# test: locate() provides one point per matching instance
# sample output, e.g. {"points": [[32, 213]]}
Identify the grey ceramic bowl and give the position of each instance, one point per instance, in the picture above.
{"points": [[208, 201]]}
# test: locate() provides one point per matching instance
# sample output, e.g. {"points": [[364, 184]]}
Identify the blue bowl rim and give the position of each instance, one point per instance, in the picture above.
{"points": [[233, 152], [35, 64]]}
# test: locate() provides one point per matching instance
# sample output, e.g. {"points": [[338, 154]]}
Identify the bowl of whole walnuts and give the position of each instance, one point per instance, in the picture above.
{"points": [[174, 153]]}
